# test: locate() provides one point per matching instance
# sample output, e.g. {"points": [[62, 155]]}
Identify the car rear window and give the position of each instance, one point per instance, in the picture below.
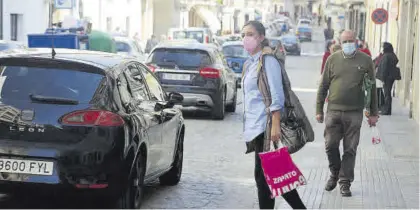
{"points": [[305, 22], [18, 82], [235, 51], [183, 58], [274, 42], [197, 35], [122, 47], [289, 39]]}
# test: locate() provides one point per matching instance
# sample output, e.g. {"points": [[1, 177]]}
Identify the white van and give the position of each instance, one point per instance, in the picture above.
{"points": [[202, 35]]}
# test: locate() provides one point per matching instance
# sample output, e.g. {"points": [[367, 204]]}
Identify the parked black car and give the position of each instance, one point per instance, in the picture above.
{"points": [[199, 72], [292, 44], [86, 122]]}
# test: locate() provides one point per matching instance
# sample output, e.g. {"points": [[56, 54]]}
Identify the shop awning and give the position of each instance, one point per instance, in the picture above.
{"points": [[209, 17]]}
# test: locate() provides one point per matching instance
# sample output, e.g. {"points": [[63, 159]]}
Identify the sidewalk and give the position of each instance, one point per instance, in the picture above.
{"points": [[386, 175]]}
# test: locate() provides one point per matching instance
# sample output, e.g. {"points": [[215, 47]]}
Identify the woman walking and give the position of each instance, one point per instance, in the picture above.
{"points": [[387, 73], [255, 116], [327, 53]]}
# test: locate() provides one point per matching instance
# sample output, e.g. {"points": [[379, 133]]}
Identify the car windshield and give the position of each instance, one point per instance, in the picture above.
{"points": [[122, 46], [197, 35], [274, 42], [50, 82], [289, 39], [235, 51], [306, 22], [6, 47], [183, 58]]}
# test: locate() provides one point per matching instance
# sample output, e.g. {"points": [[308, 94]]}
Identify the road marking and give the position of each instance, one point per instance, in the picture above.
{"points": [[309, 90]]}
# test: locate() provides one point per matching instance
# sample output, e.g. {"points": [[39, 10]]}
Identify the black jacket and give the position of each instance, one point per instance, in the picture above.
{"points": [[387, 69]]}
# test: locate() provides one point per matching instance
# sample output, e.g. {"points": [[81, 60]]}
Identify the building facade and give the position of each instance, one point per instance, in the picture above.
{"points": [[21, 17], [402, 31]]}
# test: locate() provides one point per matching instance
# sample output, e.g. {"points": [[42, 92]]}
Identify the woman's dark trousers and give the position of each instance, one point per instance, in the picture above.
{"points": [[387, 107], [264, 194]]}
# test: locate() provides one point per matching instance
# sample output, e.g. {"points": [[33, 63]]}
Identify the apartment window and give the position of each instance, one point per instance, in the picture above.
{"points": [[109, 24], [14, 27]]}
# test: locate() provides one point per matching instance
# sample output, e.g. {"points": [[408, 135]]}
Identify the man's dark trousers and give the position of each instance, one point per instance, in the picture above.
{"points": [[342, 125]]}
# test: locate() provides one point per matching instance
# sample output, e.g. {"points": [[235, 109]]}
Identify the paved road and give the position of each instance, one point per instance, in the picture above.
{"points": [[217, 173]]}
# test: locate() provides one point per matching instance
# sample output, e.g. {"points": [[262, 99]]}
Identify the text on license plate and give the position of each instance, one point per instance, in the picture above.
{"points": [[26, 167], [176, 76]]}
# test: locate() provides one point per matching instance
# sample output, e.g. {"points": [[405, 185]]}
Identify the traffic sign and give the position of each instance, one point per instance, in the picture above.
{"points": [[379, 16]]}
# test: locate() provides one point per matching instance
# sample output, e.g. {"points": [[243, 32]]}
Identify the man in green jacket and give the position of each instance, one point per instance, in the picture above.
{"points": [[343, 79]]}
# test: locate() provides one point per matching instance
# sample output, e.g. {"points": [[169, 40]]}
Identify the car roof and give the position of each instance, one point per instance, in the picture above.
{"points": [[275, 38], [231, 43], [101, 60], [122, 39], [186, 45]]}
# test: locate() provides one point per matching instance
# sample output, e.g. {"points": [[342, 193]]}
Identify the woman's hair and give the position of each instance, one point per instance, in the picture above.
{"points": [[259, 27], [388, 48], [328, 45]]}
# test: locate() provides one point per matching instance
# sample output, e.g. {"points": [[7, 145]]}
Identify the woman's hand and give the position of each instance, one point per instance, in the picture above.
{"points": [[275, 127]]}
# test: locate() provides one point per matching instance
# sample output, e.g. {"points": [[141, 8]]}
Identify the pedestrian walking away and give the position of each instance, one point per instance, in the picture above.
{"points": [[151, 43], [379, 85], [255, 116], [343, 80], [388, 72], [328, 32]]}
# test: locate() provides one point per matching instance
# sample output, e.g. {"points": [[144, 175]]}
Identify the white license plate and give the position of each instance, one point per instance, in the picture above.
{"points": [[176, 76], [26, 167]]}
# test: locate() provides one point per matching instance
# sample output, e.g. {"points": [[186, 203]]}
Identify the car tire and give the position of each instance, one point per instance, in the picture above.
{"points": [[132, 196], [232, 107], [173, 176], [218, 112]]}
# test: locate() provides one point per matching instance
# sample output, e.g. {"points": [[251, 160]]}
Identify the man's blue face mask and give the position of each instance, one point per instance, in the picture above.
{"points": [[348, 48]]}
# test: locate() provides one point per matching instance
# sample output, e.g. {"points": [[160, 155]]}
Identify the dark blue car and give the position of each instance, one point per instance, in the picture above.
{"points": [[236, 56]]}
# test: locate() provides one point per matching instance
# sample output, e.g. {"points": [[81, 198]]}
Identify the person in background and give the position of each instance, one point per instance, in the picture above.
{"points": [[284, 29], [387, 71], [343, 80], [363, 47], [255, 116], [328, 32], [151, 43], [327, 53]]}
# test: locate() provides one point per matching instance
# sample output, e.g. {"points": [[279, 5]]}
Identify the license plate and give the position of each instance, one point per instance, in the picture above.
{"points": [[176, 76], [26, 167]]}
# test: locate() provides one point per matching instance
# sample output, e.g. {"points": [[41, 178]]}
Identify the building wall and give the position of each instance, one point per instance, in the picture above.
{"points": [[32, 18], [402, 32]]}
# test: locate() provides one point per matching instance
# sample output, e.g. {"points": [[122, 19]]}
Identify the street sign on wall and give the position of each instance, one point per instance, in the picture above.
{"points": [[63, 4], [379, 16]]}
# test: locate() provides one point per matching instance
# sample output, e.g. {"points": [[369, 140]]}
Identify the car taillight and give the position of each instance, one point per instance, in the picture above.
{"points": [[152, 67], [207, 39], [210, 73], [92, 117]]}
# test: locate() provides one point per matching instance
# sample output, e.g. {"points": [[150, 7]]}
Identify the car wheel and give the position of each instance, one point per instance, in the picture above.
{"points": [[173, 176], [218, 112], [132, 197], [232, 107]]}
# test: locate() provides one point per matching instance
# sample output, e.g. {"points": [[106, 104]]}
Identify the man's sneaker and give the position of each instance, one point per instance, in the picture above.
{"points": [[345, 190], [331, 184]]}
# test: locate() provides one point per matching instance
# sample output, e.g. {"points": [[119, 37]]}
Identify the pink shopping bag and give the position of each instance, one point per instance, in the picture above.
{"points": [[280, 172], [376, 136]]}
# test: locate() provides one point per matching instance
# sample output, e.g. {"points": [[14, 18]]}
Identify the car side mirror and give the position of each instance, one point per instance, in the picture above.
{"points": [[175, 98]]}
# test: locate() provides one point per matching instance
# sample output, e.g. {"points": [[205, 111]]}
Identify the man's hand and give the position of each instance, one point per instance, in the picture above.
{"points": [[372, 120], [320, 118]]}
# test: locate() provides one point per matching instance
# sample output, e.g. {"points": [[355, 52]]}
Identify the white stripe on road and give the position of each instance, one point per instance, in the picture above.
{"points": [[308, 90]]}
